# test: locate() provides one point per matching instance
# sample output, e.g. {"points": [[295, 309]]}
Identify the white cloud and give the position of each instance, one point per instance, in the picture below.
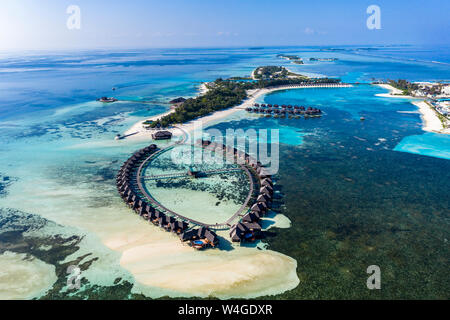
{"points": [[309, 30]]}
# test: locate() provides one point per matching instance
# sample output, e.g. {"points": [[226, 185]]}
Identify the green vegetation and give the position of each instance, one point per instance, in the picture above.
{"points": [[223, 94], [267, 72], [240, 78], [404, 85], [293, 58], [274, 72]]}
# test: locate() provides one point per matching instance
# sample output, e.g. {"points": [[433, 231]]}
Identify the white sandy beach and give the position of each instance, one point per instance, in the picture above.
{"points": [[430, 120], [138, 132], [393, 92]]}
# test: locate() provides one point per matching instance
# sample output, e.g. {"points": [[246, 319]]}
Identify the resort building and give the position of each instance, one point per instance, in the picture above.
{"points": [[200, 238], [162, 135], [245, 231]]}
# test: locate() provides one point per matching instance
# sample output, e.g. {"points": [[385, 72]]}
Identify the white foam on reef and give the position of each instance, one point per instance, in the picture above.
{"points": [[24, 277]]}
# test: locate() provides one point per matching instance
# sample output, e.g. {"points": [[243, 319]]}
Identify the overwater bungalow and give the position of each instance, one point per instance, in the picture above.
{"points": [[188, 235], [203, 239], [256, 105], [143, 210], [178, 226], [135, 204], [250, 217], [266, 190], [157, 216], [129, 197], [257, 214], [163, 222], [151, 147], [237, 232], [167, 222], [245, 231], [259, 207], [162, 135], [264, 173], [264, 198]]}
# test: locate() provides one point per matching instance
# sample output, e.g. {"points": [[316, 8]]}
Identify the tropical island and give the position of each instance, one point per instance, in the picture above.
{"points": [[293, 58], [323, 59], [223, 94], [433, 105], [274, 72]]}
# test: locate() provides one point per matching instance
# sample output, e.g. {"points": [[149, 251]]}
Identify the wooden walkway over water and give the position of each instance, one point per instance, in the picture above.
{"points": [[225, 225], [186, 174]]}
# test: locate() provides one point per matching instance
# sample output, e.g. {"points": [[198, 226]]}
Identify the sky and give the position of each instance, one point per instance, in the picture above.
{"points": [[42, 24]]}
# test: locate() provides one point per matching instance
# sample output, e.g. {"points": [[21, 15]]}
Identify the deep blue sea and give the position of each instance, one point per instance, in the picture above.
{"points": [[357, 192]]}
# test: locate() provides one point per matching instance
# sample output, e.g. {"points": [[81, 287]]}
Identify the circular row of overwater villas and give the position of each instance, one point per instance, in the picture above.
{"points": [[284, 109], [129, 191], [249, 228]]}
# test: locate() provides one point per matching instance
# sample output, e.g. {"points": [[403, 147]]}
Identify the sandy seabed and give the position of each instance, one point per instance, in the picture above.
{"points": [[24, 277]]}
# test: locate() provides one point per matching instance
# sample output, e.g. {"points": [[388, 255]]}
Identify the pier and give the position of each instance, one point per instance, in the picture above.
{"points": [[130, 186]]}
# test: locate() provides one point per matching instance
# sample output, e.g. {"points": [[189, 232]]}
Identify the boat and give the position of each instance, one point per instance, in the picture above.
{"points": [[106, 99]]}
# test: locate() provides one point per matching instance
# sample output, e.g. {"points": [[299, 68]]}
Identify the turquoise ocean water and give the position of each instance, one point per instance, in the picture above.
{"points": [[357, 192]]}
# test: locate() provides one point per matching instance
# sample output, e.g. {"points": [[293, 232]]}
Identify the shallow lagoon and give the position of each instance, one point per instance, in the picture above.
{"points": [[350, 198], [355, 200]]}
